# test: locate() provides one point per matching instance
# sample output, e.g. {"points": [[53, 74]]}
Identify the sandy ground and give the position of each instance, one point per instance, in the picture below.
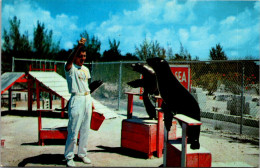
{"points": [[20, 132]]}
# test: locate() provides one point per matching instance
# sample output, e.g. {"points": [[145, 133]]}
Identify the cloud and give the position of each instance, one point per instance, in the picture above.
{"points": [[240, 33], [146, 13], [91, 26], [164, 35], [131, 27], [228, 22], [115, 29], [257, 6], [176, 12], [184, 35], [68, 44], [64, 27], [167, 21]]}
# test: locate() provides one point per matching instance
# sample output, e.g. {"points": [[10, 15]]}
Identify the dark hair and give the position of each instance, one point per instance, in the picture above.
{"points": [[82, 49]]}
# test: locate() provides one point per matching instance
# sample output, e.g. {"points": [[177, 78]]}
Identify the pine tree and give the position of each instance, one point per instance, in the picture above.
{"points": [[217, 53]]}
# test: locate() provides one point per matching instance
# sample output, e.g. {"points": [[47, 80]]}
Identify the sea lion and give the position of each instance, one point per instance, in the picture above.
{"points": [[176, 98], [148, 82]]}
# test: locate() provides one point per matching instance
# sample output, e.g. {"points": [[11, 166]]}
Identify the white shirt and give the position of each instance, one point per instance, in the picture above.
{"points": [[77, 79]]}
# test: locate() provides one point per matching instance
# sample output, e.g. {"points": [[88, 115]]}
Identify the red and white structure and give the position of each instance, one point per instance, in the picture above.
{"points": [[45, 80], [42, 80]]}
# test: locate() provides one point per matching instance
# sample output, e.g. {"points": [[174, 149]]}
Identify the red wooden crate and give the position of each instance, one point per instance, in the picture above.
{"points": [[141, 135], [194, 158]]}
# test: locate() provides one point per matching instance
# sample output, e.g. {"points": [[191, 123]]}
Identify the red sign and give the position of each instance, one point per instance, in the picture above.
{"points": [[182, 73]]}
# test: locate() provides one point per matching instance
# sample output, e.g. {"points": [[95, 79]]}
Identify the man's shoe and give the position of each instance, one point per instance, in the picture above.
{"points": [[86, 160], [70, 163]]}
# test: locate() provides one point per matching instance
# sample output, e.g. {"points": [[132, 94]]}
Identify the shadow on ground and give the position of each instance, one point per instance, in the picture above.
{"points": [[26, 113], [44, 159], [47, 142], [120, 151], [58, 159]]}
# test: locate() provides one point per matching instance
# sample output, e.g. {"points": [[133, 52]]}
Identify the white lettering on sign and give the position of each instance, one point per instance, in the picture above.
{"points": [[180, 76]]}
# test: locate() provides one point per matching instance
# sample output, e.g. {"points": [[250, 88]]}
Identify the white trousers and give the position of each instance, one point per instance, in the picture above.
{"points": [[80, 111]]}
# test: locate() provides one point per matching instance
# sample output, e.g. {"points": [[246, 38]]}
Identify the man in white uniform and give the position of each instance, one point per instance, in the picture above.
{"points": [[80, 105]]}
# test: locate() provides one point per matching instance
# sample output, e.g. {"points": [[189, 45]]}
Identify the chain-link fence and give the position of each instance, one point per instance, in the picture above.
{"points": [[227, 91]]}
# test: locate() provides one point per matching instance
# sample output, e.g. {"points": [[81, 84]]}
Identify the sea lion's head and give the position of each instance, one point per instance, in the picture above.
{"points": [[156, 62], [140, 67]]}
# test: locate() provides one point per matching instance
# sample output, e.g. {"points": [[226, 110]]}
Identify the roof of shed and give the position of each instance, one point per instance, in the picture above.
{"points": [[52, 81], [8, 79]]}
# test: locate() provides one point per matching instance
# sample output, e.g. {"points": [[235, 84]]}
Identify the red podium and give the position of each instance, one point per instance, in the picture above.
{"points": [[179, 154], [194, 158], [142, 134]]}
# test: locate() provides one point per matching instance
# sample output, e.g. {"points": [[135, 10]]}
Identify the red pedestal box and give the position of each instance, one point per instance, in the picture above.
{"points": [[194, 158], [141, 135]]}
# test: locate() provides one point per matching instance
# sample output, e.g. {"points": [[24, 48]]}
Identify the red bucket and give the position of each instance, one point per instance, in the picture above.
{"points": [[96, 120]]}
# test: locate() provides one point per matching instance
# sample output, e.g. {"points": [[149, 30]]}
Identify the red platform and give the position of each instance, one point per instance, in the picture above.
{"points": [[194, 158], [142, 135], [61, 132], [49, 133]]}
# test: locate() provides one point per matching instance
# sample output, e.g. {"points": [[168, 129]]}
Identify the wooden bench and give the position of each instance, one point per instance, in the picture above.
{"points": [[142, 134], [61, 132], [49, 133]]}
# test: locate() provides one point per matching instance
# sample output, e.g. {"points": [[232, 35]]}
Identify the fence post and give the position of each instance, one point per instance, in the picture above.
{"points": [[43, 67], [92, 69], [119, 85], [242, 98], [55, 66], [13, 64]]}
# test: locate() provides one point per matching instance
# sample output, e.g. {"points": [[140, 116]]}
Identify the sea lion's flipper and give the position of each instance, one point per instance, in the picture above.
{"points": [[150, 108], [168, 116], [195, 144], [193, 137], [136, 83], [94, 85]]}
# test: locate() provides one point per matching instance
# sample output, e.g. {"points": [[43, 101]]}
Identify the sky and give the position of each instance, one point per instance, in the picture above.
{"points": [[196, 24]]}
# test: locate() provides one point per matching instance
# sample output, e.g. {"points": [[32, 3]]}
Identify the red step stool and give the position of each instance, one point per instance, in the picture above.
{"points": [[142, 134], [194, 158], [179, 154]]}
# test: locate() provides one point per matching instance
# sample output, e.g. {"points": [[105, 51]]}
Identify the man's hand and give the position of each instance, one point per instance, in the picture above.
{"points": [[82, 41]]}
